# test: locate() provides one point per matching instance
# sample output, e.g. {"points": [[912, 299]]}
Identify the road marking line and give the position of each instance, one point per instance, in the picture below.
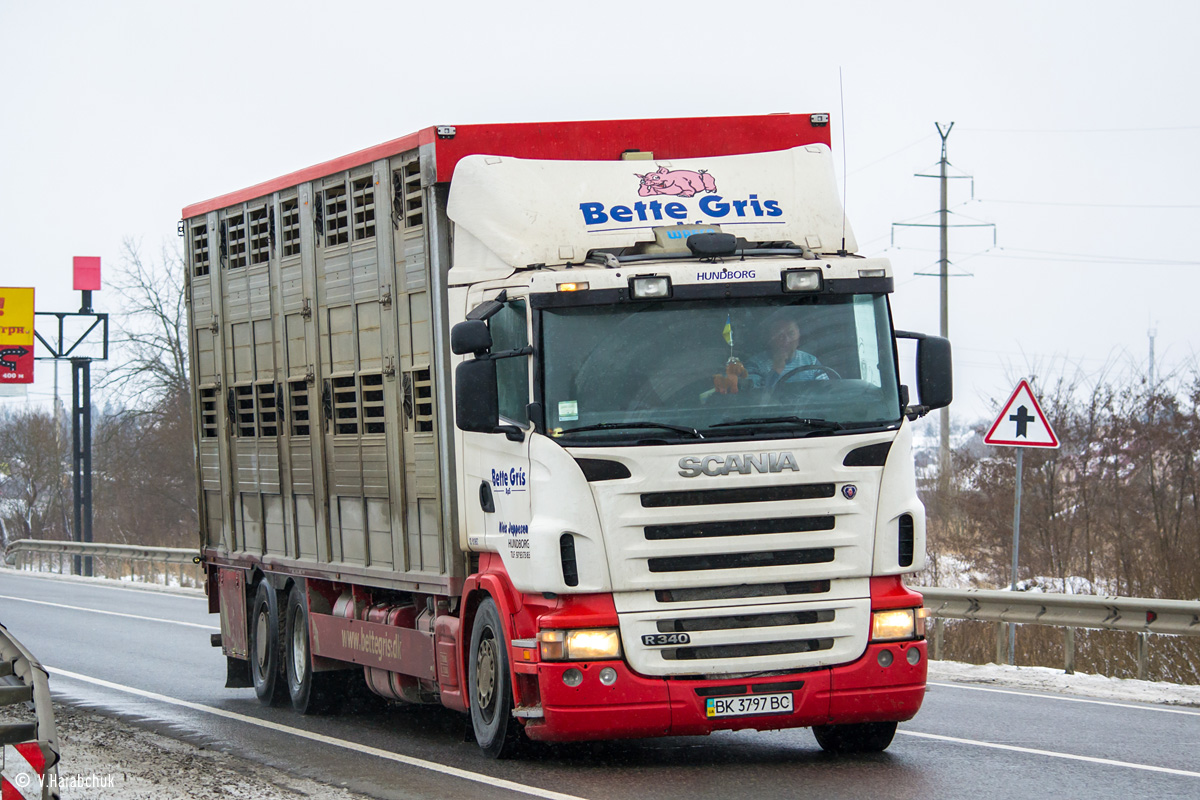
{"points": [[1052, 754], [109, 613], [433, 766], [1069, 699]]}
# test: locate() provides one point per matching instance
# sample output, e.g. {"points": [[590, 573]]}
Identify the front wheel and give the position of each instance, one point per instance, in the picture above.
{"points": [[489, 683], [862, 737]]}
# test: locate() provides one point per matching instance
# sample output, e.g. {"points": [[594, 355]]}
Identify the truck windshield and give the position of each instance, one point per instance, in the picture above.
{"points": [[744, 368]]}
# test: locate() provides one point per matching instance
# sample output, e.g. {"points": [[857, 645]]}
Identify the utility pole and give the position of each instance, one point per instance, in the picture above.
{"points": [[1151, 334], [944, 466], [944, 225]]}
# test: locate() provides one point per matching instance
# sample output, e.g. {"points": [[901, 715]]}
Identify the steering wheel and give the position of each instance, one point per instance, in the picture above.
{"points": [[820, 369], [829, 372]]}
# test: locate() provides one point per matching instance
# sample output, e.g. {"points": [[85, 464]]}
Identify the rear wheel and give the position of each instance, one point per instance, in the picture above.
{"points": [[862, 737], [264, 646], [490, 685], [310, 692]]}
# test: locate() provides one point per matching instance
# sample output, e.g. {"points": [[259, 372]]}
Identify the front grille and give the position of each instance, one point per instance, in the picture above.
{"points": [[745, 621], [784, 558], [749, 650], [757, 494], [748, 527], [744, 591]]}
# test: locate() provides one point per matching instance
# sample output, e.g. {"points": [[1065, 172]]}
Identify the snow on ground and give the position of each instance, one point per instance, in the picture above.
{"points": [[1055, 681], [103, 758]]}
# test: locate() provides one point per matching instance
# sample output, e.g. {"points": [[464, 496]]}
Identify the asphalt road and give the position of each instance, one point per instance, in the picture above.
{"points": [[145, 657]]}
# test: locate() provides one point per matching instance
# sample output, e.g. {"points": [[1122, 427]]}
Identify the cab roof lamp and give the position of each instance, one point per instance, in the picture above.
{"points": [[802, 280], [650, 287], [872, 273], [577, 286]]}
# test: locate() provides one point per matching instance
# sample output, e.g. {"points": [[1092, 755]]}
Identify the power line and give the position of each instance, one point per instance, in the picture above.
{"points": [[1086, 130], [1085, 205]]}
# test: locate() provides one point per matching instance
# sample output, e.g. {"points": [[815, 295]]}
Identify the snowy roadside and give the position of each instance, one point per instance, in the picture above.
{"points": [[105, 758], [123, 583], [1045, 679]]}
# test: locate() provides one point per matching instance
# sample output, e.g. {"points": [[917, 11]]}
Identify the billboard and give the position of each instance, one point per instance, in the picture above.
{"points": [[16, 335]]}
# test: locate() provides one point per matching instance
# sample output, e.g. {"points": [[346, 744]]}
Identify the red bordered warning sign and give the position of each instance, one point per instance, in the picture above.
{"points": [[1021, 423]]}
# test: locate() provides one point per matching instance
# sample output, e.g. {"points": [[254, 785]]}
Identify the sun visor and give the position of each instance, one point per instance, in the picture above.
{"points": [[553, 212]]}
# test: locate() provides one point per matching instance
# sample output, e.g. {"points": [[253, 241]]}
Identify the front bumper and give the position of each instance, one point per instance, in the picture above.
{"points": [[636, 706]]}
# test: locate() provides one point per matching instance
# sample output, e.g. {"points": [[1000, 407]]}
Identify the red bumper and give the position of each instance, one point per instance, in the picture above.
{"points": [[637, 706]]}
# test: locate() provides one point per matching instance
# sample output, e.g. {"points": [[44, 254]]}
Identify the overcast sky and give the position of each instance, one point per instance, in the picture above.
{"points": [[1078, 120]]}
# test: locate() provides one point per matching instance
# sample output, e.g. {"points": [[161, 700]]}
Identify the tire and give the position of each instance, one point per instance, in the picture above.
{"points": [[489, 684], [310, 692], [862, 737], [264, 646]]}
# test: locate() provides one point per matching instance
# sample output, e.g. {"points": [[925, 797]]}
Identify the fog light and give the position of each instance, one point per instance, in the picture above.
{"points": [[572, 677], [650, 288], [914, 655], [608, 676], [885, 659]]}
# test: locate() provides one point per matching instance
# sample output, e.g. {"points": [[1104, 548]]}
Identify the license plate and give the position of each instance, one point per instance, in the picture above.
{"points": [[749, 704]]}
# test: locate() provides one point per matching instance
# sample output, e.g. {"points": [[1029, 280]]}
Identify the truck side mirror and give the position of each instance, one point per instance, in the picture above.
{"points": [[476, 396], [471, 336], [935, 375]]}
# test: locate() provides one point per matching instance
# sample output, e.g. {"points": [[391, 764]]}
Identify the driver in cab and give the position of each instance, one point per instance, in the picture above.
{"points": [[781, 358]]}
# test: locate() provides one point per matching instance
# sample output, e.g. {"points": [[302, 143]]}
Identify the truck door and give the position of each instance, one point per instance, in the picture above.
{"points": [[497, 509]]}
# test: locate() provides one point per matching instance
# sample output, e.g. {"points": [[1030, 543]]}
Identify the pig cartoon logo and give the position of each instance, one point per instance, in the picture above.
{"points": [[682, 182]]}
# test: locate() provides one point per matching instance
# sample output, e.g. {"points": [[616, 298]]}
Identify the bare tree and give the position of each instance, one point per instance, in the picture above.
{"points": [[151, 332], [33, 461]]}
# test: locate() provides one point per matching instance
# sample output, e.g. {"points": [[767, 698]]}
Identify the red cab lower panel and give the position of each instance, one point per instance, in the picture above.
{"points": [[635, 706]]}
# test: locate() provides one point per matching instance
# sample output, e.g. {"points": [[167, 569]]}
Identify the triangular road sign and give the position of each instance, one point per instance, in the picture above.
{"points": [[1021, 422]]}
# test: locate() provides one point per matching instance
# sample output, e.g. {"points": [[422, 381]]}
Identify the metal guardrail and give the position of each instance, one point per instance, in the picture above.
{"points": [[1139, 615], [23, 552], [33, 687]]}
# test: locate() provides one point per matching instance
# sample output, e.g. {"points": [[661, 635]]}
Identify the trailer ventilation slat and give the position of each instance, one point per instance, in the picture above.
{"points": [[268, 417], [371, 389], [200, 262], [235, 241], [337, 216], [757, 560], [208, 412], [414, 204], [764, 494], [364, 208], [746, 527], [422, 400], [289, 212], [298, 390], [260, 236], [345, 406], [244, 409]]}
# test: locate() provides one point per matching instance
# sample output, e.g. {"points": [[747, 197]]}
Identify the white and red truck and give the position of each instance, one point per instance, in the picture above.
{"points": [[590, 430]]}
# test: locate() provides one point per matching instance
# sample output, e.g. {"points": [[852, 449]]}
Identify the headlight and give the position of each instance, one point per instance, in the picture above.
{"points": [[897, 624], [582, 645]]}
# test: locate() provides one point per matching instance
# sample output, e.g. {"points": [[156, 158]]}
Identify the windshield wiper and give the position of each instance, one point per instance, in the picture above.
{"points": [[611, 426], [807, 422]]}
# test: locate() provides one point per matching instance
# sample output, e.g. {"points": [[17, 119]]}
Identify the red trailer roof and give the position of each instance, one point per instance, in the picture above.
{"points": [[688, 137]]}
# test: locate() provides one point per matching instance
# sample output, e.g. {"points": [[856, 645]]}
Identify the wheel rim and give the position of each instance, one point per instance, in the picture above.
{"points": [[260, 640], [485, 672], [299, 646]]}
